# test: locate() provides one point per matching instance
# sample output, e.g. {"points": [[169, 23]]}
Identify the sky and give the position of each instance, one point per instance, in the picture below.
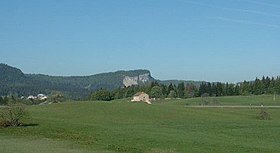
{"points": [[211, 40]]}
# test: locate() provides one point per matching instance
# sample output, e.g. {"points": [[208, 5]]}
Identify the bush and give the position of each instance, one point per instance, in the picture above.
{"points": [[56, 97], [12, 115], [101, 95], [263, 114]]}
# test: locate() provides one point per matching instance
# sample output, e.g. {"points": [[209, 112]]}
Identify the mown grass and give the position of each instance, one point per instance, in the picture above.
{"points": [[266, 100], [163, 127]]}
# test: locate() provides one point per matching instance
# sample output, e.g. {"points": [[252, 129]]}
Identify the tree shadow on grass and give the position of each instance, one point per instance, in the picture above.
{"points": [[29, 125], [5, 125]]}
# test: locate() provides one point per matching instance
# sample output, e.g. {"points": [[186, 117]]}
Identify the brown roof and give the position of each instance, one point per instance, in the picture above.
{"points": [[139, 93]]}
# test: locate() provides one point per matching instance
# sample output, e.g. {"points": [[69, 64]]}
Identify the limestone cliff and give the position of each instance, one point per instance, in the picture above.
{"points": [[136, 80]]}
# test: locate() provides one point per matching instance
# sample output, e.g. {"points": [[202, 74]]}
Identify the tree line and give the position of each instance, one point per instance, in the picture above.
{"points": [[266, 85]]}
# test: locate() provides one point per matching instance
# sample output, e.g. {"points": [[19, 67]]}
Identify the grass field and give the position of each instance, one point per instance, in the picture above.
{"points": [[166, 126]]}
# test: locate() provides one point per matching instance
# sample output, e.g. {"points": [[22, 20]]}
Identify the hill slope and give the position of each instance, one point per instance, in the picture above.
{"points": [[13, 80]]}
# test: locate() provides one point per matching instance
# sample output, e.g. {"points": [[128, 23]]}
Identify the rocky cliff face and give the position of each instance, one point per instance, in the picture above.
{"points": [[136, 80]]}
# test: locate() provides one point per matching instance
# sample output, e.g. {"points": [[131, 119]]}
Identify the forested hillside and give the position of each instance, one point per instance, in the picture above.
{"points": [[14, 81]]}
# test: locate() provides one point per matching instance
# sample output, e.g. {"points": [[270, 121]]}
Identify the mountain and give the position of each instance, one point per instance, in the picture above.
{"points": [[14, 81], [111, 80], [10, 74]]}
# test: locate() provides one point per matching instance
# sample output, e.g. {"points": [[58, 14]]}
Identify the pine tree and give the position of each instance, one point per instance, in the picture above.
{"points": [[202, 89], [226, 90], [277, 86], [170, 88], [231, 90], [267, 84], [271, 88], [219, 89], [245, 88], [209, 88], [237, 90], [181, 90], [164, 90], [214, 89], [258, 87]]}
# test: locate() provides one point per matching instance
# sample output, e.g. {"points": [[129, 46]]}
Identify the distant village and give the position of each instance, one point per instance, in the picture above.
{"points": [[41, 97]]}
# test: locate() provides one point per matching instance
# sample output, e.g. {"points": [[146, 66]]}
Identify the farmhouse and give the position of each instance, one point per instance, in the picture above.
{"points": [[141, 96]]}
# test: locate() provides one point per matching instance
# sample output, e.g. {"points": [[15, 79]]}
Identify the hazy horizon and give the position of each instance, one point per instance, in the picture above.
{"points": [[225, 41]]}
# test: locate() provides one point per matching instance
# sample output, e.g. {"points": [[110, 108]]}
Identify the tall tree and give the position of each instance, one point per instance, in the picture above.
{"points": [[191, 91], [236, 90], [209, 88], [231, 90], [202, 89], [258, 87], [277, 85], [172, 94], [219, 89], [214, 89], [266, 83], [271, 88], [245, 88], [170, 88], [164, 90], [226, 90], [156, 92], [181, 90]]}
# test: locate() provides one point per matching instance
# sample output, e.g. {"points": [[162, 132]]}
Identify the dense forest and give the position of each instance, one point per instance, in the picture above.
{"points": [[266, 85]]}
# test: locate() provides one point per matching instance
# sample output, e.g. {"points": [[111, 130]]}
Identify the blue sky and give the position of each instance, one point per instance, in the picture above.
{"points": [[217, 40]]}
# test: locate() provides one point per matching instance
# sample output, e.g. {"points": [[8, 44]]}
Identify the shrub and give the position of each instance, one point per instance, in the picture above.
{"points": [[56, 97], [263, 114], [12, 115], [101, 95]]}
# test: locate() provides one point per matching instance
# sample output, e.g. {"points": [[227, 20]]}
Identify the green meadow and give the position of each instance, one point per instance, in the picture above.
{"points": [[166, 126]]}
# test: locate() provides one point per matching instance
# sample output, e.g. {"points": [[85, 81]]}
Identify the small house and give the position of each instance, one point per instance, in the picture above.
{"points": [[141, 96]]}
